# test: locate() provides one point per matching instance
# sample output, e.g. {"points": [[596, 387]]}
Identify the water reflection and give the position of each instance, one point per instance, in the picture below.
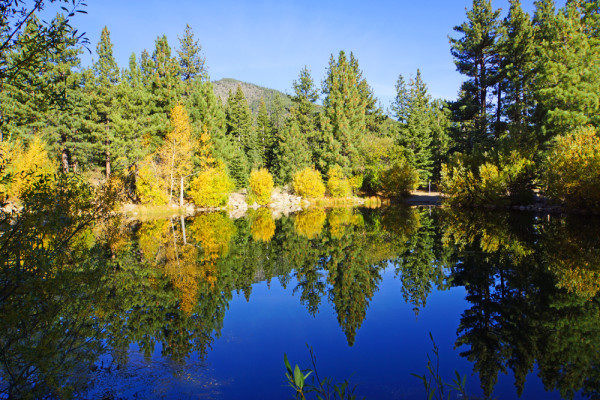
{"points": [[531, 284]]}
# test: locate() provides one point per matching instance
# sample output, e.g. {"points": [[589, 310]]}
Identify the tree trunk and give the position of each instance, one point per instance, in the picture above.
{"points": [[181, 194], [64, 154], [183, 229], [107, 153]]}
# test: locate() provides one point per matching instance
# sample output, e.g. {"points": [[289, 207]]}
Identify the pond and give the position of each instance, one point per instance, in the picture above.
{"points": [[206, 307]]}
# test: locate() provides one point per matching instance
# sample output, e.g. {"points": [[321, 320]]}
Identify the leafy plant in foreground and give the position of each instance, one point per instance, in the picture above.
{"points": [[433, 382], [324, 389]]}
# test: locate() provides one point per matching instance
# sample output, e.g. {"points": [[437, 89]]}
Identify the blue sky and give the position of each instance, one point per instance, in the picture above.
{"points": [[268, 42]]}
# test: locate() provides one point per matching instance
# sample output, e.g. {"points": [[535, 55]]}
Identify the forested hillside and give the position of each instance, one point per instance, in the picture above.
{"points": [[252, 92], [525, 118]]}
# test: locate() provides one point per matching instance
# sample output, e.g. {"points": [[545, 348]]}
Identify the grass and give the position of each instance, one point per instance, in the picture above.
{"points": [[152, 211]]}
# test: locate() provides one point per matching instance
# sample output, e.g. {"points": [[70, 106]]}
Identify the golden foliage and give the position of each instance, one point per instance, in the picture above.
{"points": [[337, 184], [26, 165], [204, 151], [151, 185], [490, 179], [263, 226], [399, 179], [572, 170], [308, 183], [310, 223], [340, 219], [261, 186], [211, 187], [213, 232]]}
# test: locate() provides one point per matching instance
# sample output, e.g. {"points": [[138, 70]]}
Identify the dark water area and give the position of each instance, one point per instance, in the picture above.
{"points": [[206, 307]]}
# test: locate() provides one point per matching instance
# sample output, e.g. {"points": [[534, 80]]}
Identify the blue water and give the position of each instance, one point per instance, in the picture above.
{"points": [[246, 361]]}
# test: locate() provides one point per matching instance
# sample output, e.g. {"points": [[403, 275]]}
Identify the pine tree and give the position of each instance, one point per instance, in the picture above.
{"points": [[264, 132], [131, 115], [191, 62], [568, 84], [343, 117], [476, 57], [161, 78], [102, 91], [416, 134], [239, 127], [517, 52], [291, 153]]}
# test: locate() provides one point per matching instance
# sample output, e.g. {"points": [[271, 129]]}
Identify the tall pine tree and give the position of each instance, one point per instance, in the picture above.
{"points": [[343, 117], [476, 56]]}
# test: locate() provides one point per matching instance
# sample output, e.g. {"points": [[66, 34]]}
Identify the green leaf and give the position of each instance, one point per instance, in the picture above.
{"points": [[287, 363], [298, 377]]}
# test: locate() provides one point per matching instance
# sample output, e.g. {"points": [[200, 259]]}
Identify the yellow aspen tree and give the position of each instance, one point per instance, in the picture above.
{"points": [[204, 151], [179, 147], [29, 165]]}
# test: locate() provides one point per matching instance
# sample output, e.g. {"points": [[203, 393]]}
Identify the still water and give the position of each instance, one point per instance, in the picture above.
{"points": [[206, 307]]}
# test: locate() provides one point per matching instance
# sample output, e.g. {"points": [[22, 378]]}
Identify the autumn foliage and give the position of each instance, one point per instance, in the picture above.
{"points": [[337, 184], [572, 169], [26, 165], [261, 186], [211, 187], [308, 183], [399, 179]]}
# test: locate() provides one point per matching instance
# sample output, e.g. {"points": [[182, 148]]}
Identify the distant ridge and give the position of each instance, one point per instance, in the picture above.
{"points": [[252, 92]]}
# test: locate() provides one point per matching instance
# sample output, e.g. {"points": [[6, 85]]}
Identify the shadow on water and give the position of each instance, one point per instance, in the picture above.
{"points": [[125, 296]]}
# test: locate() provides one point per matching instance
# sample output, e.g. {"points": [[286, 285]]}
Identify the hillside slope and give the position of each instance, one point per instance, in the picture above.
{"points": [[252, 92]]}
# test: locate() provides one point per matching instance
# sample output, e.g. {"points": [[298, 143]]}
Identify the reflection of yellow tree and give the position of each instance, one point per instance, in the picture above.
{"points": [[573, 255], [493, 234], [213, 232], [310, 223], [583, 281], [162, 243], [263, 226], [183, 272], [152, 238], [340, 219]]}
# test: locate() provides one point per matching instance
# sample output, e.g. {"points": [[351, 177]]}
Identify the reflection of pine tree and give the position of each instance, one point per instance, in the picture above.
{"points": [[354, 281], [417, 266]]}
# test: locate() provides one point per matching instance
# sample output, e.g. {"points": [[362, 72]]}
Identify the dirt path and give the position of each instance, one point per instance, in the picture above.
{"points": [[422, 197]]}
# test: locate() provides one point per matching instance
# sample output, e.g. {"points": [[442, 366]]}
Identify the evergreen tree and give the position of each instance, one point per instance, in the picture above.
{"points": [[191, 62], [343, 117], [517, 51], [476, 57], [278, 120], [291, 153], [569, 80], [303, 109], [416, 134], [239, 127], [264, 132], [102, 91], [132, 112], [161, 78]]}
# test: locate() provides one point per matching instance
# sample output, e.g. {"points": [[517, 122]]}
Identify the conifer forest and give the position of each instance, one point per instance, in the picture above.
{"points": [[144, 205]]}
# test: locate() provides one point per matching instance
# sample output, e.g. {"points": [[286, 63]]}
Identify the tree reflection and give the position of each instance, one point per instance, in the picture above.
{"points": [[532, 285], [524, 277]]}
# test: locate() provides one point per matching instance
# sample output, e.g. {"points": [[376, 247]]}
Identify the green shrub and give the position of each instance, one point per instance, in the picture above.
{"points": [[261, 186], [399, 179], [211, 187], [356, 182], [571, 172], [337, 184], [308, 183]]}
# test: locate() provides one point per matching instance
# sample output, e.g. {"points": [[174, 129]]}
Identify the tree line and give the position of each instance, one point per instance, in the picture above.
{"points": [[528, 105]]}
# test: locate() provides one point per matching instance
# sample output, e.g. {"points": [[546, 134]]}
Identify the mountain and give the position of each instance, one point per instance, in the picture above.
{"points": [[252, 92]]}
